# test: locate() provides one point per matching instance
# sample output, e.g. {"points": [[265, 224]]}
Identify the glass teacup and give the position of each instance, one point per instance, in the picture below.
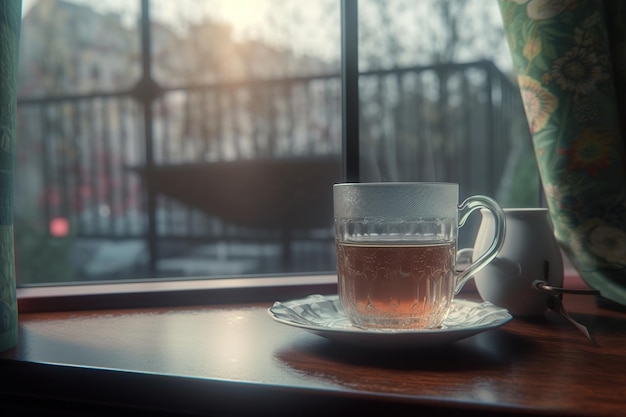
{"points": [[397, 249]]}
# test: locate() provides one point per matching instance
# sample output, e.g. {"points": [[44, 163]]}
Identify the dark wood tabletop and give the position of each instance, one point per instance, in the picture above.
{"points": [[235, 360]]}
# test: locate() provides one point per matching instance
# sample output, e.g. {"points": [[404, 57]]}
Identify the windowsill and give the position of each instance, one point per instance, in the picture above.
{"points": [[219, 353], [164, 293]]}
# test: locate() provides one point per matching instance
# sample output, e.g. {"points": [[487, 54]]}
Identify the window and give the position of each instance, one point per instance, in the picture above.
{"points": [[162, 139]]}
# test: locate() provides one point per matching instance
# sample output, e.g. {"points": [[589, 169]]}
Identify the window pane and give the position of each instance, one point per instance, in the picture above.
{"points": [[215, 156], [219, 164], [438, 101]]}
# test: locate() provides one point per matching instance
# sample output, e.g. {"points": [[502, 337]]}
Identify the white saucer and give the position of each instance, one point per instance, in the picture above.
{"points": [[324, 316]]}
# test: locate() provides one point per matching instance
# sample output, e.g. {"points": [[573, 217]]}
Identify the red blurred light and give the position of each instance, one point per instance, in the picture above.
{"points": [[59, 227]]}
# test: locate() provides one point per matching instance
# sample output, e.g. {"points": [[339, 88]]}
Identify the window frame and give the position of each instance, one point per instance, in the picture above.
{"points": [[350, 90], [171, 292], [161, 292]]}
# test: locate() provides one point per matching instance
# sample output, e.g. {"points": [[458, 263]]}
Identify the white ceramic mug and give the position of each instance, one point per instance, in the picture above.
{"points": [[530, 252]]}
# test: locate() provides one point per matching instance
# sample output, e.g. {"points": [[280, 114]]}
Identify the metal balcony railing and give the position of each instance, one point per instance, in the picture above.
{"points": [[198, 172]]}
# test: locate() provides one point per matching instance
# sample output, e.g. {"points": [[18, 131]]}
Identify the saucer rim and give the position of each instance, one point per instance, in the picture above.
{"points": [[389, 332]]}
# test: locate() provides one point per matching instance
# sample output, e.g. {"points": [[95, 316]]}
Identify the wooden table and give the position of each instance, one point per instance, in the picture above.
{"points": [[234, 360]]}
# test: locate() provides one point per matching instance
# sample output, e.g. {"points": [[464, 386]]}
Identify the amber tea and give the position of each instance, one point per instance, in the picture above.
{"points": [[396, 285]]}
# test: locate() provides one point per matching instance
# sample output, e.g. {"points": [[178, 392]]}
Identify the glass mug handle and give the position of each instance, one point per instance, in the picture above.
{"points": [[466, 208]]}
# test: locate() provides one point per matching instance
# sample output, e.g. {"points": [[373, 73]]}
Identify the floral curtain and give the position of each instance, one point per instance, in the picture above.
{"points": [[570, 59], [10, 19]]}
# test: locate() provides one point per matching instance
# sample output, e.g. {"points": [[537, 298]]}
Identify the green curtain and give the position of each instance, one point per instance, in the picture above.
{"points": [[570, 59], [10, 20]]}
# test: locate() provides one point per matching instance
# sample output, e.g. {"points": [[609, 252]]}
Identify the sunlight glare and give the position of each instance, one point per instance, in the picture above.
{"points": [[244, 12]]}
